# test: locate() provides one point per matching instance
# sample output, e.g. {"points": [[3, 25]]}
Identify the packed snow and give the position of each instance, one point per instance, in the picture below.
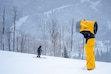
{"points": [[20, 63]]}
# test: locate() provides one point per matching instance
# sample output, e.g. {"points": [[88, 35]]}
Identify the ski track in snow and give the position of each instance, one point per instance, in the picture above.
{"points": [[56, 9], [93, 5]]}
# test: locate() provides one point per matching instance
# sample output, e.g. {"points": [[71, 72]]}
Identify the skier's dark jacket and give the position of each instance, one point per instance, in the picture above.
{"points": [[39, 50]]}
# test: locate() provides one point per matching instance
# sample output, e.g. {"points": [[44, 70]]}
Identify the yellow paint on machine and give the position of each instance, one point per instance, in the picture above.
{"points": [[87, 26], [90, 55]]}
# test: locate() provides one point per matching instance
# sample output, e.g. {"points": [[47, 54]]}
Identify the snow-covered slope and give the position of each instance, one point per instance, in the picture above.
{"points": [[19, 63], [41, 12]]}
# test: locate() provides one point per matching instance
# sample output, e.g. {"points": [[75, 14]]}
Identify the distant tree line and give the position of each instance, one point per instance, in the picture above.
{"points": [[103, 56]]}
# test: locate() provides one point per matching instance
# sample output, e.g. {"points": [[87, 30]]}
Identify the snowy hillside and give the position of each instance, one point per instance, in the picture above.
{"points": [[20, 63], [39, 11]]}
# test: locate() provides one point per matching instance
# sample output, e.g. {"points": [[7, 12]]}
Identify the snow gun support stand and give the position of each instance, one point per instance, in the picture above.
{"points": [[88, 29]]}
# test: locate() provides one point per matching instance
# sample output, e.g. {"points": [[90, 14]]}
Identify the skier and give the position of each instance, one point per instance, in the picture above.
{"points": [[39, 51]]}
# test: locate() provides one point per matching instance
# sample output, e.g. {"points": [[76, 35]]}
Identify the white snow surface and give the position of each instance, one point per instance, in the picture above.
{"points": [[20, 63]]}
